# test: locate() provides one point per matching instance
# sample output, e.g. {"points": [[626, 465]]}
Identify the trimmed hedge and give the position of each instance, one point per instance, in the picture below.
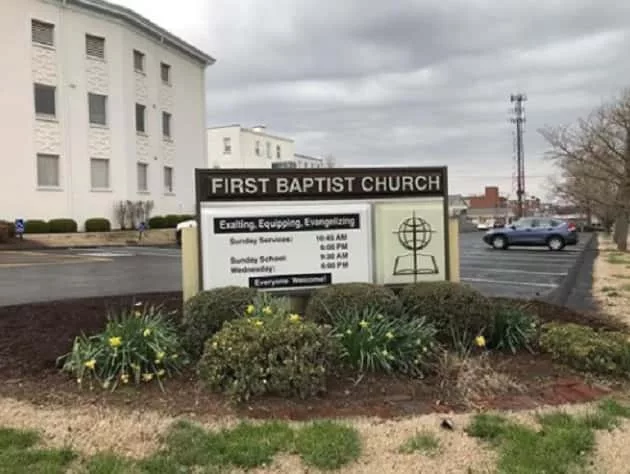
{"points": [[205, 313], [62, 226], [169, 221], [459, 312], [348, 297], [98, 224], [157, 222], [36, 226]]}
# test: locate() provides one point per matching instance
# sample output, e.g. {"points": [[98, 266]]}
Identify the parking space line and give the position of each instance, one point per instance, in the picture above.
{"points": [[532, 259], [505, 270], [509, 283]]}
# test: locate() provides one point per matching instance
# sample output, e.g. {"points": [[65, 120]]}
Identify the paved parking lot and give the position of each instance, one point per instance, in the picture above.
{"points": [[517, 272], [58, 274]]}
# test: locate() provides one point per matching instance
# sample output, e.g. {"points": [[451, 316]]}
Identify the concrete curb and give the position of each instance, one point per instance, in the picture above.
{"points": [[560, 295]]}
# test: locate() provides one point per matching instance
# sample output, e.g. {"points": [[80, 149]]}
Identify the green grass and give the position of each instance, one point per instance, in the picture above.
{"points": [[189, 448], [562, 445], [617, 258], [328, 445], [610, 291], [423, 443], [19, 455]]}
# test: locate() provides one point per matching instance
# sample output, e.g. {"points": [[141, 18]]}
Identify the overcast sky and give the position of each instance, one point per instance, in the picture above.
{"points": [[411, 82]]}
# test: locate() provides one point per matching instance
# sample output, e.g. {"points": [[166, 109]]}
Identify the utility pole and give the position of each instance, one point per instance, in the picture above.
{"points": [[519, 120]]}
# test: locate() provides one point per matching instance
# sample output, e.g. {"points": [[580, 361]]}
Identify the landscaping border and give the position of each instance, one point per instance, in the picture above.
{"points": [[560, 295]]}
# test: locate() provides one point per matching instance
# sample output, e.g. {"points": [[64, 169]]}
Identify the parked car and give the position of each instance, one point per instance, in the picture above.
{"points": [[182, 225], [533, 232]]}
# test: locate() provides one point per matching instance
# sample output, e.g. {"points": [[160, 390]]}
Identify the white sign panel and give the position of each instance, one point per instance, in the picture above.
{"points": [[286, 247]]}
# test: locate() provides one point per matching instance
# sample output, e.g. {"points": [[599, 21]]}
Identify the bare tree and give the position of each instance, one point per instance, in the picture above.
{"points": [[121, 210], [330, 161], [594, 158]]}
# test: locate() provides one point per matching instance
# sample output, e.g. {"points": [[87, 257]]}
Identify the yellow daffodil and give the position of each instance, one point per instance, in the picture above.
{"points": [[258, 323], [147, 377], [90, 363], [364, 324], [480, 341], [115, 341], [294, 318], [161, 372], [160, 355], [106, 384], [174, 356], [385, 353], [134, 366], [215, 345], [146, 332], [389, 335], [250, 309], [79, 381], [124, 378], [379, 317], [138, 313], [267, 311], [348, 332]]}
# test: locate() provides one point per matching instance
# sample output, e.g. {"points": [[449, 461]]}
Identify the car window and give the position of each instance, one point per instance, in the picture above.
{"points": [[535, 223], [522, 223]]}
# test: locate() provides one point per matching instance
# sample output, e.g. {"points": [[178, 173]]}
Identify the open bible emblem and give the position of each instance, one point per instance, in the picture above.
{"points": [[414, 234]]}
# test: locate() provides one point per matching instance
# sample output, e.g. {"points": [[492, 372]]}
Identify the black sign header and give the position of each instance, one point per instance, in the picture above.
{"points": [[319, 184]]}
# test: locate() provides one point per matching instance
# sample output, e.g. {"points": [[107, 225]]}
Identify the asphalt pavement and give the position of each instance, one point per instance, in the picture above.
{"points": [[60, 274]]}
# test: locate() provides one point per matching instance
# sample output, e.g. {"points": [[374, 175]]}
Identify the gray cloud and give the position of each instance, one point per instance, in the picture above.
{"points": [[408, 82]]}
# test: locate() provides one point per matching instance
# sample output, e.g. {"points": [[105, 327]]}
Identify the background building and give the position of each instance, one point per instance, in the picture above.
{"points": [[105, 106], [234, 146]]}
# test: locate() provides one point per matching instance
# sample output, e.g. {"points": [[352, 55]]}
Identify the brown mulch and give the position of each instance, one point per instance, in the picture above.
{"points": [[33, 336]]}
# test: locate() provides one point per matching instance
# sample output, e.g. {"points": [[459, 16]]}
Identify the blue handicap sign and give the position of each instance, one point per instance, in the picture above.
{"points": [[19, 226]]}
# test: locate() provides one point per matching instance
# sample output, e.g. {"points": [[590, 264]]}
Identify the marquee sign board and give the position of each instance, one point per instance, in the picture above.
{"points": [[298, 229]]}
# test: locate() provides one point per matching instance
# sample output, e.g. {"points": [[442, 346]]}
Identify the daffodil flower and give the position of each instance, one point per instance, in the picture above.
{"points": [[364, 324], [147, 377], [161, 372], [250, 309], [124, 378], [294, 318], [115, 341], [267, 310], [480, 341], [160, 355], [90, 363], [389, 335], [258, 323], [146, 332]]}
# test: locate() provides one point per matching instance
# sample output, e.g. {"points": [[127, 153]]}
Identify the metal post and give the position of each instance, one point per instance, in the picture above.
{"points": [[519, 119]]}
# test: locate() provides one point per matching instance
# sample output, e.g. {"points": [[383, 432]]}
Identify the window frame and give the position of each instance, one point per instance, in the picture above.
{"points": [[41, 23], [227, 145], [140, 165], [144, 118], [105, 107], [169, 189], [89, 37], [57, 159], [108, 185], [165, 67], [167, 118], [139, 54], [41, 86]]}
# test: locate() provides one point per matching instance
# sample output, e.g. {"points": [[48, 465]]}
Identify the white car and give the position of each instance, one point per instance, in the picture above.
{"points": [[183, 225], [483, 226]]}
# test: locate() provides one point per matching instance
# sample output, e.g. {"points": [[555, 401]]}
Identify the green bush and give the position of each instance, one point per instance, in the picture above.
{"points": [[98, 224], [276, 354], [157, 222], [348, 297], [36, 226], [62, 226], [513, 329], [139, 344], [205, 313], [172, 220], [587, 349], [459, 312], [372, 341]]}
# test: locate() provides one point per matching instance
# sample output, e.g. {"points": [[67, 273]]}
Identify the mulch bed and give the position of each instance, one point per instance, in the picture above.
{"points": [[33, 336]]}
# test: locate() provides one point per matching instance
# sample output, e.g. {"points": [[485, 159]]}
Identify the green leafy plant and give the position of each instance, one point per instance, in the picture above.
{"points": [[62, 226], [138, 345], [346, 297], [583, 348], [460, 313], [373, 341], [206, 312], [513, 329], [98, 224], [36, 226], [276, 353]]}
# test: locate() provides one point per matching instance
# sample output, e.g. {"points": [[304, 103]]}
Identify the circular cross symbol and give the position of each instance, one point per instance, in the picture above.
{"points": [[414, 233]]}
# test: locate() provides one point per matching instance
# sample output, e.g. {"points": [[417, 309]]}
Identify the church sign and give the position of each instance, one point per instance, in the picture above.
{"points": [[299, 229]]}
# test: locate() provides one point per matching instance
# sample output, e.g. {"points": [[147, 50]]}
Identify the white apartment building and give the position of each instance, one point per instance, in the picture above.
{"points": [[103, 106], [234, 146]]}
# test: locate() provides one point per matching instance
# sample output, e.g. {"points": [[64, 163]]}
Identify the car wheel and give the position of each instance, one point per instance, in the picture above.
{"points": [[499, 242], [555, 243]]}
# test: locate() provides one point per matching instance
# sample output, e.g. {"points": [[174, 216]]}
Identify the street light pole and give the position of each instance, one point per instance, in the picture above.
{"points": [[519, 119]]}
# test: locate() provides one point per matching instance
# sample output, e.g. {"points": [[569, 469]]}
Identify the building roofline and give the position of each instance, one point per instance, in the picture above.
{"points": [[307, 157], [135, 19]]}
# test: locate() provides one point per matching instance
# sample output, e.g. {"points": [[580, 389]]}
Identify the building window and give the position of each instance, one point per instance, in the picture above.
{"points": [[98, 109], [165, 73], [45, 100], [143, 177], [257, 147], [168, 179], [278, 153], [99, 171], [166, 125], [95, 47], [48, 170], [42, 33], [138, 61], [268, 150], [227, 145], [140, 118]]}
